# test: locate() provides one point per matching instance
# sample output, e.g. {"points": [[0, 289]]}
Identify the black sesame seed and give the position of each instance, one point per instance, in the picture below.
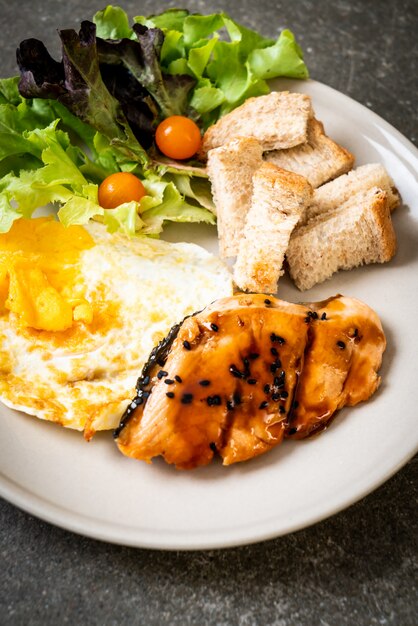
{"points": [[204, 383], [251, 381], [169, 381], [323, 316], [214, 327], [170, 394], [267, 301], [146, 380], [278, 381], [146, 394], [229, 405], [217, 401], [263, 405], [274, 351], [212, 446], [266, 389], [292, 431], [235, 371], [161, 362], [186, 345], [307, 320], [139, 401], [275, 397], [284, 394], [253, 356], [178, 378], [282, 410], [341, 345], [161, 374], [277, 339], [187, 398], [274, 367]]}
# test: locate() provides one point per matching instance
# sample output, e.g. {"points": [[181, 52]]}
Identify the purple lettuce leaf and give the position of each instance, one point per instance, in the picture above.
{"points": [[116, 86]]}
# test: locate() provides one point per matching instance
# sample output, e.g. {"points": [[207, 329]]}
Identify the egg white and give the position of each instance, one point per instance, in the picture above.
{"points": [[139, 287]]}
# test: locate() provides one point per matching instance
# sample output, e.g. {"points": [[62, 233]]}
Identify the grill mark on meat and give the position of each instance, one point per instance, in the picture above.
{"points": [[299, 368]]}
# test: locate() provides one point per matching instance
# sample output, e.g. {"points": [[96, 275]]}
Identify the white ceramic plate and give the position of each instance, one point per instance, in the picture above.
{"points": [[92, 489]]}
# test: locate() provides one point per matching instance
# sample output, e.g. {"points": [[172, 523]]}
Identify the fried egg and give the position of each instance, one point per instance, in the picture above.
{"points": [[81, 310]]}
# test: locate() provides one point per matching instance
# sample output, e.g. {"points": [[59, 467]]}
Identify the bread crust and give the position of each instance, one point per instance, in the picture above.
{"points": [[319, 160], [381, 211], [230, 169], [278, 120], [353, 235], [337, 192], [279, 199]]}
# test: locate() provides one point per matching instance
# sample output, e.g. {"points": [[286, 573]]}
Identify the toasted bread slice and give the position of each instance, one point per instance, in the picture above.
{"points": [[278, 121], [334, 194], [319, 159], [279, 199], [359, 232], [230, 169]]}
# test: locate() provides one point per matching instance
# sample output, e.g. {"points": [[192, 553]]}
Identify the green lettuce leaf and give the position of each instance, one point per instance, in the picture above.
{"points": [[65, 126], [172, 48], [141, 59], [165, 203], [206, 98], [58, 178], [112, 23], [227, 71], [197, 27], [199, 56], [198, 189], [172, 19], [9, 92], [56, 181], [30, 113], [78, 84], [124, 218], [248, 39], [284, 58]]}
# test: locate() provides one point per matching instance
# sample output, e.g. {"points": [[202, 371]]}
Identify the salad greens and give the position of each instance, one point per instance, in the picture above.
{"points": [[65, 126], [225, 72]]}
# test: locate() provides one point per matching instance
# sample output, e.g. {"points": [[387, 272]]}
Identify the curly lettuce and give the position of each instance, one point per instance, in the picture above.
{"points": [[65, 125], [227, 72]]}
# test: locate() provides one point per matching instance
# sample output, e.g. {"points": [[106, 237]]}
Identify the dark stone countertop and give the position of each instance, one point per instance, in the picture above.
{"points": [[356, 568]]}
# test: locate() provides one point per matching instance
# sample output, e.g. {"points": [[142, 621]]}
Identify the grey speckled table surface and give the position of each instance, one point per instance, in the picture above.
{"points": [[360, 566]]}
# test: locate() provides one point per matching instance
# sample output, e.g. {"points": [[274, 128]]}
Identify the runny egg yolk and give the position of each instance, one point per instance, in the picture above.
{"points": [[39, 277]]}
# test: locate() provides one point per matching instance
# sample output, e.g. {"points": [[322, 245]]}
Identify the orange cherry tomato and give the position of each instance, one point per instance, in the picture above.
{"points": [[119, 188], [178, 137]]}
